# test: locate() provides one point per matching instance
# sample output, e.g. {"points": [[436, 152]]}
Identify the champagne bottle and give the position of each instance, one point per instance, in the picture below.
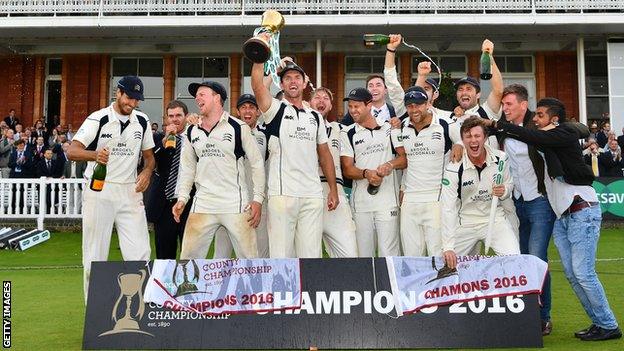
{"points": [[170, 142], [486, 66], [97, 179], [372, 189], [372, 40]]}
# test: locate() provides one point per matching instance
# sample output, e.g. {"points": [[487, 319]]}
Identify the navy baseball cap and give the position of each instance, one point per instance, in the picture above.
{"points": [[415, 95], [434, 83], [246, 98], [468, 80], [359, 94], [131, 86], [291, 66], [215, 86]]}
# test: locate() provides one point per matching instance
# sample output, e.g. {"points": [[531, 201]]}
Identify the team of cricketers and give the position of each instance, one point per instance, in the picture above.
{"points": [[271, 181]]}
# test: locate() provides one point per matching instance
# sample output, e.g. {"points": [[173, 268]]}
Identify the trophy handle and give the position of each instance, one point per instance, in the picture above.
{"points": [[141, 304], [116, 305]]}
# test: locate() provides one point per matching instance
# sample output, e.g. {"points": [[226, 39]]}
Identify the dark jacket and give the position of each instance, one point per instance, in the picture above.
{"points": [[612, 167], [43, 171], [560, 147], [157, 203], [27, 168], [536, 158], [602, 138]]}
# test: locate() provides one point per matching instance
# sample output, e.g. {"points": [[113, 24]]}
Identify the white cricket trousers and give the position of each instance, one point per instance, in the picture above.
{"points": [[295, 226], [223, 244], [339, 227], [504, 240], [117, 204], [378, 230], [201, 228], [421, 229]]}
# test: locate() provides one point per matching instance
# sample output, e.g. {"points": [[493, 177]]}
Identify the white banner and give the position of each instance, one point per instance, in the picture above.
{"points": [[419, 282], [225, 285]]}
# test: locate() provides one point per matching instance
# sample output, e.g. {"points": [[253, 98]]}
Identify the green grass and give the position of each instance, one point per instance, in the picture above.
{"points": [[48, 310]]}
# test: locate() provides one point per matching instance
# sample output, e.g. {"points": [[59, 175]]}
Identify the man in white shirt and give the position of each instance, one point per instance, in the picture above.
{"points": [[468, 188], [297, 143], [212, 158], [115, 136], [247, 108], [426, 141], [338, 225], [395, 91], [369, 157], [529, 193]]}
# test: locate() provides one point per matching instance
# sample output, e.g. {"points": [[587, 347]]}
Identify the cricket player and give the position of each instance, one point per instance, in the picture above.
{"points": [[427, 143], [338, 225], [468, 188], [370, 157], [115, 136], [247, 108], [297, 144], [396, 92], [213, 157]]}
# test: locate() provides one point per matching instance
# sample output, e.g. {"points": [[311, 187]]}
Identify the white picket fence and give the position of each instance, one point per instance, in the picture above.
{"points": [[28, 198]]}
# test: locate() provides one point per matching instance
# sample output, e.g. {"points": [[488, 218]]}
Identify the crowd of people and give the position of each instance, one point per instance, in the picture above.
{"points": [[272, 181]]}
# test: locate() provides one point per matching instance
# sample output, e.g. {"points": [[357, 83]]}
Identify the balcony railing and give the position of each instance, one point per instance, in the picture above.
{"points": [[296, 7]]}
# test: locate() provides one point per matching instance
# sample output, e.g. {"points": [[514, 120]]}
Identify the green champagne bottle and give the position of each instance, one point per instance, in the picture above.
{"points": [[372, 40], [97, 179], [170, 142], [486, 66]]}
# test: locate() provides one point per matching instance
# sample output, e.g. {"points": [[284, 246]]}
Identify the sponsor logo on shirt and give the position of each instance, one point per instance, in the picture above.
{"points": [[194, 140], [403, 137], [106, 135], [436, 136], [137, 135], [227, 137], [335, 143], [289, 117], [358, 142], [445, 181], [468, 182]]}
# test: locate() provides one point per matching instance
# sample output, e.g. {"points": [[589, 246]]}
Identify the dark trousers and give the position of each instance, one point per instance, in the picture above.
{"points": [[168, 233]]}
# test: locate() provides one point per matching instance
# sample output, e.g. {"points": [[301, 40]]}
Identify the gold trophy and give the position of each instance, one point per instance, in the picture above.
{"points": [[130, 284], [186, 287], [257, 49]]}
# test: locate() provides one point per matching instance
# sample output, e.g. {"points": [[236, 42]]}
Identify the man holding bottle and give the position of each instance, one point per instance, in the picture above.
{"points": [[114, 138]]}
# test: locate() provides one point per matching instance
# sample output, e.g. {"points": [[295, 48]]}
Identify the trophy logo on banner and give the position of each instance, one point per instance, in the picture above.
{"points": [[130, 285], [186, 286]]}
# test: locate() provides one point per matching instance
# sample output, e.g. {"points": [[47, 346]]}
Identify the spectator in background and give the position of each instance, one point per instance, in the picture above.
{"points": [[47, 167], [620, 140], [39, 149], [20, 161], [613, 160], [53, 138], [593, 129], [11, 120], [70, 132], [41, 131], [72, 169], [154, 127], [602, 136], [18, 131], [28, 138], [6, 146], [595, 158]]}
